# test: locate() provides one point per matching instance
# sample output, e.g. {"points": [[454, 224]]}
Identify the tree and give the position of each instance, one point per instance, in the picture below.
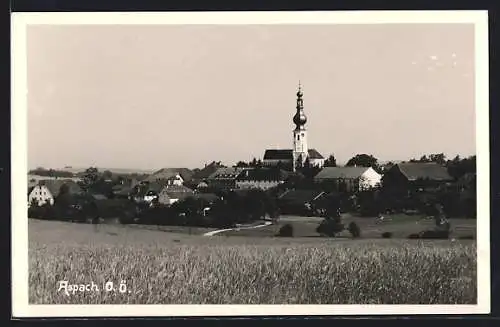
{"points": [[459, 167], [331, 161], [438, 158], [363, 160], [90, 178], [308, 170], [241, 164], [107, 174]]}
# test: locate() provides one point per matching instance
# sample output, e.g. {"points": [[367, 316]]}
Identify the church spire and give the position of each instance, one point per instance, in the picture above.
{"points": [[300, 118]]}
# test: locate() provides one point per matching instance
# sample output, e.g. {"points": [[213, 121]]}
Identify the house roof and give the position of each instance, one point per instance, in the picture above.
{"points": [[227, 173], [176, 189], [287, 154], [300, 196], [263, 174], [174, 177], [278, 154], [314, 154], [54, 186], [341, 172], [420, 170], [208, 170], [166, 173], [99, 196], [123, 190]]}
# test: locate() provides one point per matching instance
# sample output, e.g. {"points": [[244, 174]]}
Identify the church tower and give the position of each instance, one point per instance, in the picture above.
{"points": [[300, 150]]}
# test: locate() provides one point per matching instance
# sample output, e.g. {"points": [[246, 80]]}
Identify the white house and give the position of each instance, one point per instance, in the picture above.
{"points": [[46, 191], [175, 180], [349, 178], [261, 178]]}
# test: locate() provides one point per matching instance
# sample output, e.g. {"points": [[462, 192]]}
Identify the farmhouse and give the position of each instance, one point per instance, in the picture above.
{"points": [[46, 191], [225, 178], [172, 193], [164, 174], [299, 201], [416, 176], [348, 179], [148, 191], [291, 158], [261, 178]]}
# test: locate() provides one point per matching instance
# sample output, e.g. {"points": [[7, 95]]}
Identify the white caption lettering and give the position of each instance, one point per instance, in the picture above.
{"points": [[76, 288]]}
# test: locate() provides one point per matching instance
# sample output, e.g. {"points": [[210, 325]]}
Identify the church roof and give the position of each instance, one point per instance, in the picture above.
{"points": [[314, 154], [278, 154], [287, 154]]}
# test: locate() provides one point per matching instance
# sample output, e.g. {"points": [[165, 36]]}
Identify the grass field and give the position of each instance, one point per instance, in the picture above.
{"points": [[401, 226], [165, 267]]}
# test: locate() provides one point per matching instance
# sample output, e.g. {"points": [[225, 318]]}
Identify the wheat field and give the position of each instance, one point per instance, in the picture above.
{"points": [[170, 268]]}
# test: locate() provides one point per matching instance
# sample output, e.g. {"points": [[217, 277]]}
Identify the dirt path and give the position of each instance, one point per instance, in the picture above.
{"points": [[212, 233]]}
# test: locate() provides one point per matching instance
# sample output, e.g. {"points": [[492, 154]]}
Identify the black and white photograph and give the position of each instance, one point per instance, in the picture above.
{"points": [[228, 162]]}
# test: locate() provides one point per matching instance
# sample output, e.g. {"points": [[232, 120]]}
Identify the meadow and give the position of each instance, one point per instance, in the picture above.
{"points": [[172, 267]]}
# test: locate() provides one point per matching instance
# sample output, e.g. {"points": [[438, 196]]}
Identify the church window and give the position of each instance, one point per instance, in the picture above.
{"points": [[298, 137]]}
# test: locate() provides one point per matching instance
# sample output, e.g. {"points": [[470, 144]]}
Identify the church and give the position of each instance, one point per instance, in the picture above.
{"points": [[300, 151]]}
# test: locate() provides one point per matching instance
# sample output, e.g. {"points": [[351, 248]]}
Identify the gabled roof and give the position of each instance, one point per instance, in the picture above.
{"points": [[301, 196], [166, 173], [420, 170], [176, 188], [123, 190], [341, 172], [287, 154], [54, 186], [99, 196], [263, 174], [226, 173], [278, 154], [314, 154], [208, 170]]}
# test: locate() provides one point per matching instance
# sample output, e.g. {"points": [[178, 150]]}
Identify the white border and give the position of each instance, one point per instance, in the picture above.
{"points": [[19, 21]]}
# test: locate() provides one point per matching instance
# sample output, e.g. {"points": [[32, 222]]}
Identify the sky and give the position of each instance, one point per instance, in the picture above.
{"points": [[153, 96]]}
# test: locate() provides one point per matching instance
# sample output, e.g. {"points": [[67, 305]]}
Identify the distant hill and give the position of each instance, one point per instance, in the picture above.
{"points": [[76, 170]]}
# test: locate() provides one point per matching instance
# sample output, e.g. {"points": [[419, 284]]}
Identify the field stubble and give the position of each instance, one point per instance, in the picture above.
{"points": [[217, 270]]}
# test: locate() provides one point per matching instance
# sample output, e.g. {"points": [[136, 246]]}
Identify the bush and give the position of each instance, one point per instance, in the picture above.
{"points": [[386, 235], [330, 227], [286, 231], [414, 236], [354, 230]]}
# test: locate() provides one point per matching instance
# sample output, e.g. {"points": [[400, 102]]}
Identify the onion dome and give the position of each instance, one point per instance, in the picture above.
{"points": [[299, 118]]}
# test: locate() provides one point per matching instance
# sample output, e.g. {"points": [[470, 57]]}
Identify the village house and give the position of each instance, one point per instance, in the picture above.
{"points": [[419, 176], [173, 174], [225, 178], [349, 179], [147, 191], [261, 178], [46, 191], [299, 202], [172, 193], [175, 180]]}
